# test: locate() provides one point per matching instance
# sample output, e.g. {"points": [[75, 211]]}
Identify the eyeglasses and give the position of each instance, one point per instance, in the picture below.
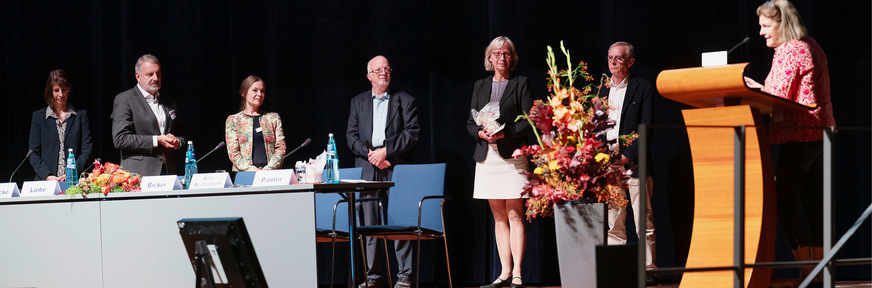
{"points": [[383, 70], [619, 59], [499, 55]]}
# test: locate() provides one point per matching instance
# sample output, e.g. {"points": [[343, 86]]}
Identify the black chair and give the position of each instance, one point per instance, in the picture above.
{"points": [[412, 215]]}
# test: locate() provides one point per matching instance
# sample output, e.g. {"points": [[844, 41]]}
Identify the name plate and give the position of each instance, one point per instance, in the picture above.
{"points": [[717, 58], [210, 181], [273, 177], [8, 190], [40, 188], [160, 183]]}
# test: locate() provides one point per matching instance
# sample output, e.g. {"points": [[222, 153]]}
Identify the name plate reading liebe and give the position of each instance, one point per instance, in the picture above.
{"points": [[8, 190], [40, 188], [273, 177], [210, 181], [160, 183]]}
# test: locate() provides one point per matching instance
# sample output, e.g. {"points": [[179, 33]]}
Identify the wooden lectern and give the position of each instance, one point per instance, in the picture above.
{"points": [[722, 99]]}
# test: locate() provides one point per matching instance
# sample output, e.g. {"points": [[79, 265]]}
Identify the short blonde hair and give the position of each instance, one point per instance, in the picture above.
{"points": [[496, 44], [783, 12]]}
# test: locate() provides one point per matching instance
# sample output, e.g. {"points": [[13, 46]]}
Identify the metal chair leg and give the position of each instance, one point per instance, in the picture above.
{"points": [[387, 264], [332, 258], [447, 262]]}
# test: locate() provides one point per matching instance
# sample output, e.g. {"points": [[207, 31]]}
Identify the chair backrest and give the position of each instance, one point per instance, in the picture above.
{"points": [[244, 178], [411, 183], [324, 204]]}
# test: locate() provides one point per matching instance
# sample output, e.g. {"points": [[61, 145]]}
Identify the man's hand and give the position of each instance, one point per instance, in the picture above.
{"points": [[168, 141], [377, 158]]}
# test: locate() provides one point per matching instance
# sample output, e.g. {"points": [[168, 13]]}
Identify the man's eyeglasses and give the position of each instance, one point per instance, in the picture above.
{"points": [[499, 55], [619, 59], [383, 70]]}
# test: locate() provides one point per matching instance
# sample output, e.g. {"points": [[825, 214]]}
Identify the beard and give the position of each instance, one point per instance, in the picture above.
{"points": [[152, 88]]}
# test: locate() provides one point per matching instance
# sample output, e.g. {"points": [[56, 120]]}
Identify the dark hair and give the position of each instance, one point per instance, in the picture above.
{"points": [[55, 77], [246, 84]]}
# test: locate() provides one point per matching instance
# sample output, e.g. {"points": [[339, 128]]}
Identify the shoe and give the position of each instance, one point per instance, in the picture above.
{"points": [[403, 282], [499, 283], [513, 285], [371, 283], [650, 278]]}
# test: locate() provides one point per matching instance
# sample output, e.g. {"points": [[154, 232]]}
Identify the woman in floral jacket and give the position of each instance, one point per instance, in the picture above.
{"points": [[255, 140]]}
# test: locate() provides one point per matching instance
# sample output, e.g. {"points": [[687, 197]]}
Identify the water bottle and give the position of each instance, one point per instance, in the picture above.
{"points": [[71, 172], [190, 164], [332, 167]]}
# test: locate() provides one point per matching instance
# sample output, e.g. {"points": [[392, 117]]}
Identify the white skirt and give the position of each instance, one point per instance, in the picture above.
{"points": [[498, 178]]}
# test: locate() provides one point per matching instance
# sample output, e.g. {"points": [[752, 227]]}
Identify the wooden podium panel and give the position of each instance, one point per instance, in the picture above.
{"points": [[712, 240]]}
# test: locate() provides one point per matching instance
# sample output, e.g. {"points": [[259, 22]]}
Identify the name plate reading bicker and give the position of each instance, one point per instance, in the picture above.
{"points": [[8, 190], [160, 183], [273, 177], [210, 181], [40, 188]]}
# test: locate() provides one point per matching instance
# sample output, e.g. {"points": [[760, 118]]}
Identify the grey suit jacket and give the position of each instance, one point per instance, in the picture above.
{"points": [[401, 130], [516, 100], [133, 128]]}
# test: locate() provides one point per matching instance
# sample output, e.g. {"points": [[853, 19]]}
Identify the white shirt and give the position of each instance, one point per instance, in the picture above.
{"points": [[157, 110], [616, 103], [379, 118]]}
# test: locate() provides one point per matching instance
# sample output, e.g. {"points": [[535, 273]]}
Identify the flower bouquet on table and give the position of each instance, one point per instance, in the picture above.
{"points": [[573, 158], [106, 178]]}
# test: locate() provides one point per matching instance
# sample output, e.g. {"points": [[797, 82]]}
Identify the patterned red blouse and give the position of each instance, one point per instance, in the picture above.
{"points": [[799, 73]]}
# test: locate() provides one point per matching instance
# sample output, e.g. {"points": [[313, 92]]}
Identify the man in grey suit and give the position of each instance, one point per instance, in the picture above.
{"points": [[382, 129], [143, 123]]}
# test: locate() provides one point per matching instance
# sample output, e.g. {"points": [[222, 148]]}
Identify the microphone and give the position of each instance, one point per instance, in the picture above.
{"points": [[308, 140], [220, 145], [92, 165], [19, 164], [744, 41]]}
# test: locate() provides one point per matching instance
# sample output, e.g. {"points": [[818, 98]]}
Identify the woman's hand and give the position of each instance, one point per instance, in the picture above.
{"points": [[483, 134], [59, 179], [752, 84]]}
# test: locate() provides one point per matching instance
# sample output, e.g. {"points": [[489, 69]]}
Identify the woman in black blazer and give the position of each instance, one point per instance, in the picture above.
{"points": [[58, 123], [498, 175]]}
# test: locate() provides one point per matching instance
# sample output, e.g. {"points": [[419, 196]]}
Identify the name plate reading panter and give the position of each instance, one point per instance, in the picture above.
{"points": [[210, 181], [273, 177], [40, 188], [160, 183], [8, 190]]}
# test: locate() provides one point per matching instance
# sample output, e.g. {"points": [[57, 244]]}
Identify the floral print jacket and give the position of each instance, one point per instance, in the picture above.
{"points": [[799, 73], [238, 135]]}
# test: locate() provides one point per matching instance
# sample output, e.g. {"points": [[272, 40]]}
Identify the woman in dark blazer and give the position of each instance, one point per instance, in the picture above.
{"points": [[58, 123], [498, 175]]}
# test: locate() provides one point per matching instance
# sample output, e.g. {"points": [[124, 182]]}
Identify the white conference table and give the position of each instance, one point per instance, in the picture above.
{"points": [[132, 240]]}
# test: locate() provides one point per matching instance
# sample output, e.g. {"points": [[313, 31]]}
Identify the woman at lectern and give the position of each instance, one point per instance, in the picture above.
{"points": [[498, 175], [57, 128], [255, 138], [799, 73]]}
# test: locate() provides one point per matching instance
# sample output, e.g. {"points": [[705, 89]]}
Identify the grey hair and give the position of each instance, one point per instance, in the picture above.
{"points": [[143, 59], [373, 58], [631, 52]]}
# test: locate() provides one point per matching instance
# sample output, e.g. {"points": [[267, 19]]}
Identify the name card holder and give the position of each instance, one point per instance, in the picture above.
{"points": [[210, 181], [8, 190], [717, 58], [160, 183], [273, 177], [40, 188]]}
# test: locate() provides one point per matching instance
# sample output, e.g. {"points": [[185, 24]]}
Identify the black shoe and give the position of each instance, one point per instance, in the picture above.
{"points": [[650, 278], [513, 285], [499, 283], [371, 283]]}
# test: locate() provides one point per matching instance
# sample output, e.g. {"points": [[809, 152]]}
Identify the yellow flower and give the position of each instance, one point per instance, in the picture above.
{"points": [[554, 165], [538, 170], [602, 156]]}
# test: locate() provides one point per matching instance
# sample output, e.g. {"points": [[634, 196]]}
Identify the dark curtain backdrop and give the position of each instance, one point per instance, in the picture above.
{"points": [[312, 55]]}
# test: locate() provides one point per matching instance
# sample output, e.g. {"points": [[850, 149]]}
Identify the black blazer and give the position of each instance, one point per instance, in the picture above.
{"points": [[517, 99], [134, 125], [44, 142], [636, 109], [401, 130]]}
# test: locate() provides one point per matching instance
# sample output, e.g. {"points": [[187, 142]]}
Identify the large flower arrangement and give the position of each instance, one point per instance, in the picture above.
{"points": [[573, 158], [106, 178]]}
